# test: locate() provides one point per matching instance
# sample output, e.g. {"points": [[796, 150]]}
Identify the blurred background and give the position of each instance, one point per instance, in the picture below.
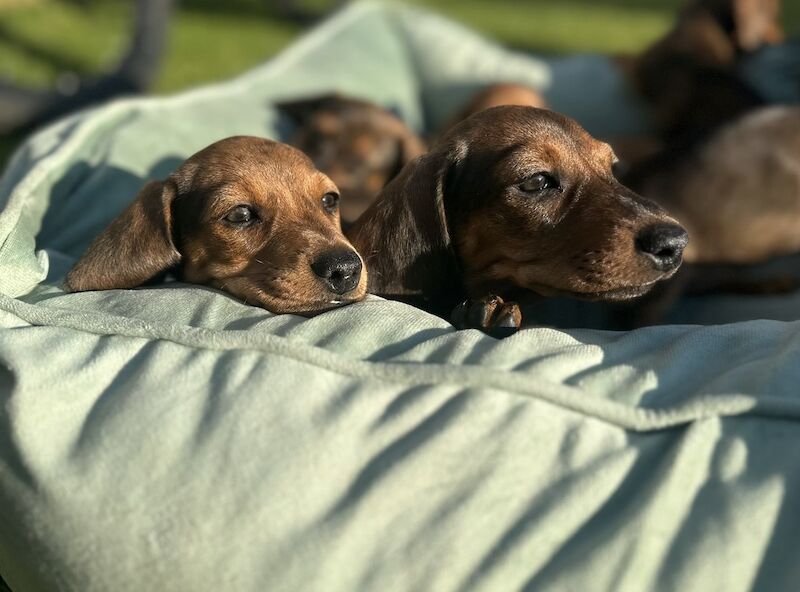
{"points": [[49, 45]]}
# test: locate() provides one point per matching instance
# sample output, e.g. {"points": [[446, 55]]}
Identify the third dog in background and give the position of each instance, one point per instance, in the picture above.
{"points": [[359, 145]]}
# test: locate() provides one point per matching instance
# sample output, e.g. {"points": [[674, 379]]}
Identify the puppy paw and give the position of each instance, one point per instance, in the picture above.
{"points": [[490, 314]]}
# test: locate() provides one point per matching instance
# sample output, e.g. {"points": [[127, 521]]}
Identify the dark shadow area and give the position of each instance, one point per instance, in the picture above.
{"points": [[395, 349], [397, 452], [17, 464], [748, 456]]}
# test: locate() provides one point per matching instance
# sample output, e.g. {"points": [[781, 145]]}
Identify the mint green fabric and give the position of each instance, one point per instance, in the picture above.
{"points": [[172, 438]]}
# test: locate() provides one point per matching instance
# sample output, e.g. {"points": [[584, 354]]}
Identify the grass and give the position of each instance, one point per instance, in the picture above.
{"points": [[213, 40], [565, 25]]}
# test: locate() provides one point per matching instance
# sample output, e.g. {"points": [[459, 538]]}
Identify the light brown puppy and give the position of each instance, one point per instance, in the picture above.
{"points": [[514, 200], [359, 145], [245, 215]]}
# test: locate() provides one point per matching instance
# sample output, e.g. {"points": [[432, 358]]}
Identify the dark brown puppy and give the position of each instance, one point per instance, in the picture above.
{"points": [[513, 199], [246, 215], [360, 145]]}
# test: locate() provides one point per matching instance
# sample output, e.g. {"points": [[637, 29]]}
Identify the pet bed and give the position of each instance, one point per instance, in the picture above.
{"points": [[172, 438]]}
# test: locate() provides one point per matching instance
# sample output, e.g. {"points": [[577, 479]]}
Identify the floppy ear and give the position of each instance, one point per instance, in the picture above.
{"points": [[299, 110], [404, 236], [756, 23], [136, 247]]}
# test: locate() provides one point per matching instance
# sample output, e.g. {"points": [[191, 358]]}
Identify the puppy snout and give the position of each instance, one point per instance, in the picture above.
{"points": [[339, 270], [663, 244]]}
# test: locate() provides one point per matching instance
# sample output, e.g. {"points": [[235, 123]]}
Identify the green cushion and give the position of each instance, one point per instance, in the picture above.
{"points": [[172, 438]]}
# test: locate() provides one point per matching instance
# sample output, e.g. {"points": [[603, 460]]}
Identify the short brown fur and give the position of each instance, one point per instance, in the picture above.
{"points": [[454, 224], [180, 223]]}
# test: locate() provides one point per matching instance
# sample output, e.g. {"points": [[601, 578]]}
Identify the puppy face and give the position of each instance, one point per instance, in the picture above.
{"points": [[361, 146], [515, 198], [539, 208], [246, 215]]}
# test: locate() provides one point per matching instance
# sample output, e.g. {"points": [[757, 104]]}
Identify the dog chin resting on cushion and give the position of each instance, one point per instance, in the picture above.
{"points": [[513, 201], [245, 215]]}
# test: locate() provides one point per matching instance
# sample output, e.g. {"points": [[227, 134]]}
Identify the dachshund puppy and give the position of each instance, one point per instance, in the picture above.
{"points": [[360, 145], [245, 215], [514, 200]]}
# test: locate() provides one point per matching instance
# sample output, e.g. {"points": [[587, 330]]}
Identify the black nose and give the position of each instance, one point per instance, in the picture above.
{"points": [[663, 244], [340, 270]]}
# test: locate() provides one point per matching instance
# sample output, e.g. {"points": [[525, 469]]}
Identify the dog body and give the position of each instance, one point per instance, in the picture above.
{"points": [[726, 166], [720, 160], [359, 145], [739, 193], [245, 215], [514, 199]]}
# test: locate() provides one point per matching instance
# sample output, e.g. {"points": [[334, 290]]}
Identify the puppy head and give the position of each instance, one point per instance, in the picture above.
{"points": [[359, 145], [525, 198], [246, 215]]}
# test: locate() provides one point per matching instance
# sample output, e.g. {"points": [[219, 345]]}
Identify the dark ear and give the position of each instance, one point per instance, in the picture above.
{"points": [[757, 23], [136, 247], [300, 110], [405, 236]]}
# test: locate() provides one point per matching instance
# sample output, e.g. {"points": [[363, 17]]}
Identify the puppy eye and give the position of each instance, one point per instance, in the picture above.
{"points": [[330, 201], [539, 182], [241, 216]]}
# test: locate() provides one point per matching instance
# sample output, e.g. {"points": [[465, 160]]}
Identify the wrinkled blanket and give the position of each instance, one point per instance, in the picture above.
{"points": [[172, 438]]}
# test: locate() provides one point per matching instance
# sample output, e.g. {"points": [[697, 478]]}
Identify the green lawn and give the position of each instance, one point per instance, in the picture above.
{"points": [[216, 39]]}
